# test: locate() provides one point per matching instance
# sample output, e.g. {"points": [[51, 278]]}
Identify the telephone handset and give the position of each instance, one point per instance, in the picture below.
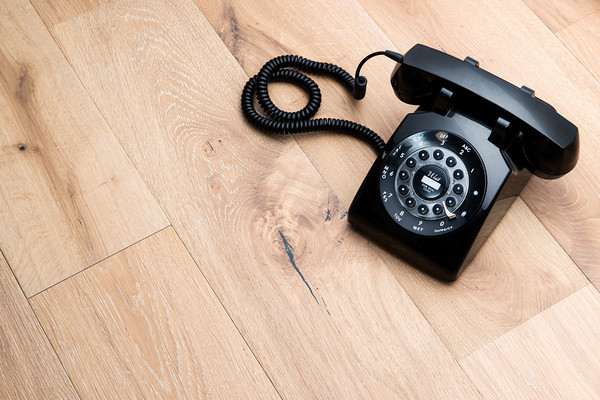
{"points": [[452, 168]]}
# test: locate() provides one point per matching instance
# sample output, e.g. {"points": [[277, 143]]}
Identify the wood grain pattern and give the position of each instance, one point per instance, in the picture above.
{"points": [[558, 14], [145, 324], [583, 39], [56, 11], [322, 313], [29, 368], [548, 357], [505, 285], [527, 53], [69, 196], [511, 279]]}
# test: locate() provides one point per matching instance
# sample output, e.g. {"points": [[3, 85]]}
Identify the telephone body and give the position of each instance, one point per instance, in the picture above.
{"points": [[453, 168]]}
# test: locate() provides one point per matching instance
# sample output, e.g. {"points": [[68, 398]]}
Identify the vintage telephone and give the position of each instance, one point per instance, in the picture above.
{"points": [[452, 168]]}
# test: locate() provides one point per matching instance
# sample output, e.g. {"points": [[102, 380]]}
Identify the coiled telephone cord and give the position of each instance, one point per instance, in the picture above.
{"points": [[284, 122]]}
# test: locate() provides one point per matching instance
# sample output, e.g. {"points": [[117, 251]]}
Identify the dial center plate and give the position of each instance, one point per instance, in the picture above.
{"points": [[430, 182]]}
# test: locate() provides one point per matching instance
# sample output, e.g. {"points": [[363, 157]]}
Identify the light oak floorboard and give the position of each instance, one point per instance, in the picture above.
{"points": [[56, 11], [525, 53], [513, 278], [583, 39], [69, 196], [552, 356], [144, 323], [29, 368], [558, 14], [316, 305]]}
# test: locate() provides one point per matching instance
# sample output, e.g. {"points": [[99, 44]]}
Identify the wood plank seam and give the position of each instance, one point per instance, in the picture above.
{"points": [[597, 78], [564, 251], [578, 60], [112, 132], [558, 12], [60, 359], [58, 163], [548, 335], [175, 257], [544, 22], [441, 337], [11, 271], [40, 324], [99, 261], [51, 32]]}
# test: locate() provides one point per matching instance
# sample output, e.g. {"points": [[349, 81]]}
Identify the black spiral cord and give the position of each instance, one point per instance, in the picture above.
{"points": [[284, 122]]}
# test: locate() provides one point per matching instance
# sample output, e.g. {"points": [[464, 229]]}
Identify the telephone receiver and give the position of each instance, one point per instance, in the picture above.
{"points": [[453, 168]]}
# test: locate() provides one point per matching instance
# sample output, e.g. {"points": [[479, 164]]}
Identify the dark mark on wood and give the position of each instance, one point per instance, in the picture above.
{"points": [[232, 36], [328, 215], [288, 250], [22, 147], [208, 149], [24, 84], [325, 304], [344, 215]]}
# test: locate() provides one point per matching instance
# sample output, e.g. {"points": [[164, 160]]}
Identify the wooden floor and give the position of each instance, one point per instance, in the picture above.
{"points": [[156, 246]]}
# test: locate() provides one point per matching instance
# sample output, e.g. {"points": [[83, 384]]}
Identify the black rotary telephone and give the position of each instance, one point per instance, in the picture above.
{"points": [[452, 168]]}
